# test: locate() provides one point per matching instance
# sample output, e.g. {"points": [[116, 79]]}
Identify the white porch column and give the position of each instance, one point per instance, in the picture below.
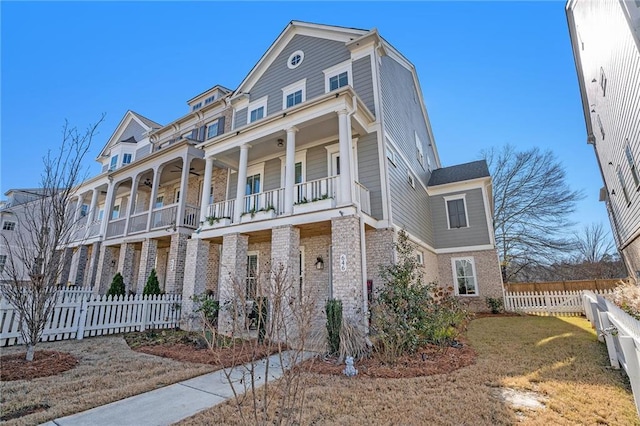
{"points": [[206, 189], [94, 204], [184, 187], [108, 207], [76, 216], [344, 132], [242, 182], [290, 170], [157, 171], [132, 204]]}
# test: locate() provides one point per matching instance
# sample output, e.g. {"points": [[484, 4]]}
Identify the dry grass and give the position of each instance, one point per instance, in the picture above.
{"points": [[558, 359], [108, 371]]}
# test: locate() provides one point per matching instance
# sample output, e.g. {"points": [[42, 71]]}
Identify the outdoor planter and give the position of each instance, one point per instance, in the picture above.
{"points": [[261, 215], [327, 203], [225, 221]]}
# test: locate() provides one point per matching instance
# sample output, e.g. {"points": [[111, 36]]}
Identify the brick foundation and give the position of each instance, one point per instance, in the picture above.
{"points": [[177, 257]]}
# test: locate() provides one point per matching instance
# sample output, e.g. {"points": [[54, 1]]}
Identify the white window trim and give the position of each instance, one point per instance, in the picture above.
{"points": [[217, 120], [256, 169], [293, 88], [116, 208], [462, 197], [301, 157], [297, 52], [420, 257], [338, 69], [262, 102], [331, 149], [420, 151], [391, 155], [411, 179], [455, 276]]}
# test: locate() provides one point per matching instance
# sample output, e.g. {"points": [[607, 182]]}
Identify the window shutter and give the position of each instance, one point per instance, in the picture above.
{"points": [[220, 125]]}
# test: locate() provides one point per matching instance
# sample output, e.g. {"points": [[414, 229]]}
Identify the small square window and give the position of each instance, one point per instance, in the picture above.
{"points": [[197, 106], [210, 99], [257, 114], [9, 226], [294, 98], [338, 81], [294, 94]]}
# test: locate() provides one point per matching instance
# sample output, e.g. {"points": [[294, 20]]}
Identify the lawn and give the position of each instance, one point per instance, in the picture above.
{"points": [[556, 360]]}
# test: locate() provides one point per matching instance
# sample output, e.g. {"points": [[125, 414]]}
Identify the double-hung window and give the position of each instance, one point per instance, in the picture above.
{"points": [[114, 163], [212, 130], [456, 211], [126, 159], [294, 94], [257, 110], [464, 275], [338, 76], [632, 165]]}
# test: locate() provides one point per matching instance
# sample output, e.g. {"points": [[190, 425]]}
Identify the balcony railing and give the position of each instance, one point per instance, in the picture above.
{"points": [[222, 209], [191, 216], [138, 222], [94, 229], [314, 190], [164, 216], [270, 200], [115, 228], [363, 198]]}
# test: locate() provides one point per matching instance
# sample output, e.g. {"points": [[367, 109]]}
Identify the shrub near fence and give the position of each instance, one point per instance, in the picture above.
{"points": [[77, 317]]}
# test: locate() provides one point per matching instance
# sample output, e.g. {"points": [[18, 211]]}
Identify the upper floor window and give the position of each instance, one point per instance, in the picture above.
{"points": [[8, 226], [456, 211], [212, 130], [624, 186], [210, 99], [115, 213], [337, 76], [464, 274], [197, 106], [126, 159], [420, 153], [257, 110], [114, 163], [84, 210], [3, 261], [295, 59], [294, 94], [411, 180], [603, 82], [632, 165], [601, 126], [391, 155]]}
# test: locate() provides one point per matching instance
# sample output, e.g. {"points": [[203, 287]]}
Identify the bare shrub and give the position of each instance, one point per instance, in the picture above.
{"points": [[353, 341], [627, 297]]}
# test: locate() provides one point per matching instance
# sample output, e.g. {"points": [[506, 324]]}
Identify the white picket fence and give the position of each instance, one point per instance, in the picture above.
{"points": [[621, 333], [77, 315], [568, 303]]}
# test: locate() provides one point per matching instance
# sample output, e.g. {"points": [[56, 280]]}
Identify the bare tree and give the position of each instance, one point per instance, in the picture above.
{"points": [[593, 243], [43, 227], [532, 206]]}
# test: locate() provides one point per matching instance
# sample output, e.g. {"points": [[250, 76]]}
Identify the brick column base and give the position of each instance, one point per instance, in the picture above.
{"points": [[233, 273], [195, 280], [147, 262], [285, 267], [177, 256], [346, 267], [125, 265]]}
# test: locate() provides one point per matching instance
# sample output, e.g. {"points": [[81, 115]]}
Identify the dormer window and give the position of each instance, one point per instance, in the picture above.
{"points": [[210, 99], [126, 159], [196, 106], [114, 163]]}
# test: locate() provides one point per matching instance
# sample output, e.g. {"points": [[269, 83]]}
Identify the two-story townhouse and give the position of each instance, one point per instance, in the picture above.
{"points": [[329, 154], [138, 213], [605, 38]]}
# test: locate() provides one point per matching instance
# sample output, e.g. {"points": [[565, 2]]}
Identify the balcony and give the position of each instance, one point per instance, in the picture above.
{"points": [[312, 196]]}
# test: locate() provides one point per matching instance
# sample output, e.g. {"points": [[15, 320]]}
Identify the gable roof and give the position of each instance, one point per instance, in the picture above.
{"points": [[459, 173], [129, 116], [295, 27]]}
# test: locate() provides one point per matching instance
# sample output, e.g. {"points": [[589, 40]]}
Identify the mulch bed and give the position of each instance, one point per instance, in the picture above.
{"points": [[427, 361], [45, 363]]}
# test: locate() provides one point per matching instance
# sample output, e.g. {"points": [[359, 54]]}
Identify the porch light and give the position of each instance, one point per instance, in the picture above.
{"points": [[280, 143], [319, 263]]}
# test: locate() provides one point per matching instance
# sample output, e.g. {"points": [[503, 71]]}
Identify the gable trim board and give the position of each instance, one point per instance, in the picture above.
{"points": [[120, 128]]}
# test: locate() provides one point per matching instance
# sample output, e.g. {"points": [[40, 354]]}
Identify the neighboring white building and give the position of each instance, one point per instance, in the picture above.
{"points": [[315, 161], [605, 36]]}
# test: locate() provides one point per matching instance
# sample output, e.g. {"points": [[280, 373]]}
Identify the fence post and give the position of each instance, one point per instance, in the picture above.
{"points": [[630, 352], [83, 318], [143, 320], [547, 302], [608, 339]]}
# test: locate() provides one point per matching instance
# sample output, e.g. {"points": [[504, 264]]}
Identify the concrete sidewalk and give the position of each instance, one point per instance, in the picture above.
{"points": [[175, 402]]}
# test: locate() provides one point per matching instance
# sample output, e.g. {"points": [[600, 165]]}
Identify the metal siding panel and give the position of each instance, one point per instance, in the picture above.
{"points": [[319, 54], [133, 129], [363, 81], [477, 232], [369, 171], [241, 118]]}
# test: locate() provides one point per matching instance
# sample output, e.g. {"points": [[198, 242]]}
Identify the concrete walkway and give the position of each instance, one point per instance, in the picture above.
{"points": [[175, 402]]}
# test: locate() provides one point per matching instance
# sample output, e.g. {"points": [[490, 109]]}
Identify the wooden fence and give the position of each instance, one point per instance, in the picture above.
{"points": [[547, 302], [621, 333], [77, 316], [563, 285]]}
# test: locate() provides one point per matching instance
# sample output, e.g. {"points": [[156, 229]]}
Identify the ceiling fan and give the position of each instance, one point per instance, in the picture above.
{"points": [[179, 169]]}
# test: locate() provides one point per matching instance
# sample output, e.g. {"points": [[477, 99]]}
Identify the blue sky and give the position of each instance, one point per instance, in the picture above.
{"points": [[491, 72]]}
